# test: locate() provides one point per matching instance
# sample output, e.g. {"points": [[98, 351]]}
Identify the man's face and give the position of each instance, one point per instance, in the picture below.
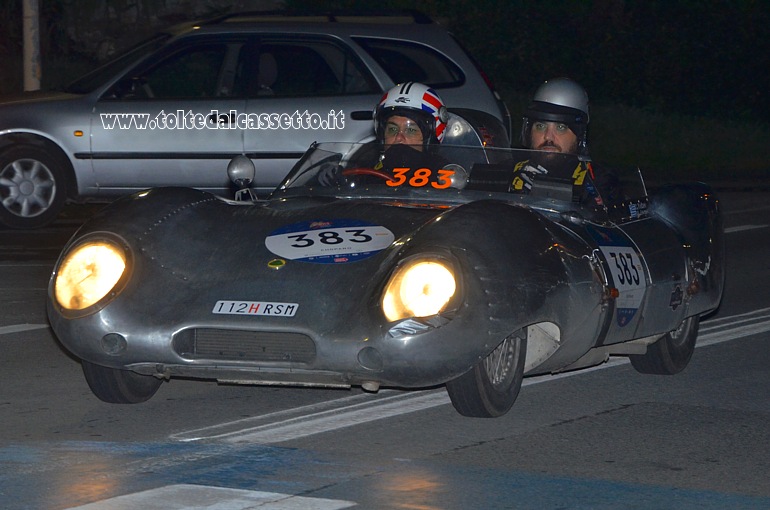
{"points": [[552, 136], [400, 129]]}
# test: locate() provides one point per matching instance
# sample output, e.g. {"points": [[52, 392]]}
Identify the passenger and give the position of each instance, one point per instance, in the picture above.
{"points": [[557, 121], [557, 118]]}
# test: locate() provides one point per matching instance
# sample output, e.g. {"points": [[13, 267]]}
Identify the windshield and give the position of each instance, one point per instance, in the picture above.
{"points": [[101, 75], [446, 171]]}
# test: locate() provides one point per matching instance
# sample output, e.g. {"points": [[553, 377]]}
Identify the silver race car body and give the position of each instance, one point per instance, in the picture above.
{"points": [[470, 267]]}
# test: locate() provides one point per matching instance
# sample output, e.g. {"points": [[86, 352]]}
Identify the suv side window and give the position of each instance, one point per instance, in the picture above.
{"points": [[198, 71], [408, 61], [191, 74], [302, 68]]}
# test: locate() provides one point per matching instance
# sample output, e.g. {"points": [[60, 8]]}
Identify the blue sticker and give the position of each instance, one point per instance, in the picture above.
{"points": [[677, 298]]}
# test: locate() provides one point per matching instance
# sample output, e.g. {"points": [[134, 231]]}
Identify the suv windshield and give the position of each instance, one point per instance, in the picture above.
{"points": [[407, 61]]}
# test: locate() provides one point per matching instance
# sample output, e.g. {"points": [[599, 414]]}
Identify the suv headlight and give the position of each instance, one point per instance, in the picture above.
{"points": [[87, 273], [419, 288]]}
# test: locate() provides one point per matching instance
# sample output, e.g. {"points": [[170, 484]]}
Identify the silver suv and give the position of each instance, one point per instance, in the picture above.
{"points": [[176, 108]]}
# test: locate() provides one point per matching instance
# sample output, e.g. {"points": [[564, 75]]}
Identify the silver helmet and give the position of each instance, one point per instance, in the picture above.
{"points": [[559, 100]]}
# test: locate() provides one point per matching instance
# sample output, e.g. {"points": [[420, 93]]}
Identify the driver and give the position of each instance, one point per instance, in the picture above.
{"points": [[409, 124], [410, 113], [556, 120], [410, 119]]}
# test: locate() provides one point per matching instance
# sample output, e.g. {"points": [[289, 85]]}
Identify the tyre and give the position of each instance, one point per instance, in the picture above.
{"points": [[490, 388], [671, 354], [32, 186], [119, 386]]}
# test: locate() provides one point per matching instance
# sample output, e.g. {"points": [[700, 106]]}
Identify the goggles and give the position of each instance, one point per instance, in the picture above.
{"points": [[410, 130]]}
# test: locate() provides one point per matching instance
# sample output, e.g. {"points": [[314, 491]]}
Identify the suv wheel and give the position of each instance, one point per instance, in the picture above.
{"points": [[32, 186]]}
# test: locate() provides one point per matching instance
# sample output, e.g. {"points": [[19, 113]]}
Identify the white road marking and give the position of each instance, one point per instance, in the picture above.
{"points": [[740, 228], [26, 264], [322, 417], [203, 497], [337, 414], [18, 328]]}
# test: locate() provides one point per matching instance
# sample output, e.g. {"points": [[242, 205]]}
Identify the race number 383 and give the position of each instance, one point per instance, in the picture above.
{"points": [[332, 241], [625, 266]]}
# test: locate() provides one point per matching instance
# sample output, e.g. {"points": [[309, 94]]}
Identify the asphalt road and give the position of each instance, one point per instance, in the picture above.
{"points": [[601, 438]]}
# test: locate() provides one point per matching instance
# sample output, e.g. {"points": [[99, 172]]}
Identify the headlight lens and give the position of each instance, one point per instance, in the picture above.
{"points": [[419, 288], [88, 273]]}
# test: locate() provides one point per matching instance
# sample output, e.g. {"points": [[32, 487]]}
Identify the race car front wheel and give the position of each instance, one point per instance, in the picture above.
{"points": [[490, 388], [117, 386], [671, 353]]}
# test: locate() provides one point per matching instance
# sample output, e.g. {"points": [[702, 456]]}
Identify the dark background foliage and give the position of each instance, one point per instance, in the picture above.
{"points": [[677, 87], [704, 57]]}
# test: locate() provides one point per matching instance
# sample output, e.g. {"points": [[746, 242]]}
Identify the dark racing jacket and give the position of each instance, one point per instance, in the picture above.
{"points": [[591, 183]]}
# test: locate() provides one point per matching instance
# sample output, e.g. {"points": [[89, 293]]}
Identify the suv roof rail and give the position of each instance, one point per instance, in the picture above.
{"points": [[400, 16]]}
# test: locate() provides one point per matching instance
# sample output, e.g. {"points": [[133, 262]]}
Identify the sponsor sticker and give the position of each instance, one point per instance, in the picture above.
{"points": [[677, 297]]}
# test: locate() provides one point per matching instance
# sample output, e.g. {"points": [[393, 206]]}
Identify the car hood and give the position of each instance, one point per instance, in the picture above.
{"points": [[197, 240], [188, 251]]}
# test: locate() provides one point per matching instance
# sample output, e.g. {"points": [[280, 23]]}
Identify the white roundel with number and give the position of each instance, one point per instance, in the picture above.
{"points": [[329, 241], [628, 277]]}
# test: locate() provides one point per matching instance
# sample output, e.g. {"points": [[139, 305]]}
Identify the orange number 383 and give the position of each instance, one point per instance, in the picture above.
{"points": [[439, 179]]}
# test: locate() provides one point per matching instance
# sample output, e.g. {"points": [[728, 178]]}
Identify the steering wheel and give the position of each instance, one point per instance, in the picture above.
{"points": [[367, 171]]}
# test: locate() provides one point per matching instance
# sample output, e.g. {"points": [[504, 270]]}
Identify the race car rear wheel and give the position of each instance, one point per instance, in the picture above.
{"points": [[670, 354], [490, 388], [117, 386]]}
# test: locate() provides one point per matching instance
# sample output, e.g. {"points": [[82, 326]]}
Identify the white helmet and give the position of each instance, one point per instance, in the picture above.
{"points": [[559, 100], [415, 101]]}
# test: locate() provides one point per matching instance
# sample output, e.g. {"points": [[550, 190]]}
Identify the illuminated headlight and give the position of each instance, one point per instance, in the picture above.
{"points": [[419, 288], [88, 273]]}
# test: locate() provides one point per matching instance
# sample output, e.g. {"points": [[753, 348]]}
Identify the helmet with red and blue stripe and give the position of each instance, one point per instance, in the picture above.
{"points": [[417, 102]]}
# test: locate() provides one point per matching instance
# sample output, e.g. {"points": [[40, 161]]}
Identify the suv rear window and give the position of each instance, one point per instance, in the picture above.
{"points": [[407, 61], [300, 68]]}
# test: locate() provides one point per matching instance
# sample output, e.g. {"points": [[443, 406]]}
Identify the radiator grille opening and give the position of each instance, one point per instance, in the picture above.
{"points": [[238, 345]]}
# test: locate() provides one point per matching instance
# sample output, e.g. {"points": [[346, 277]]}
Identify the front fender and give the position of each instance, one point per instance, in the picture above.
{"points": [[519, 269]]}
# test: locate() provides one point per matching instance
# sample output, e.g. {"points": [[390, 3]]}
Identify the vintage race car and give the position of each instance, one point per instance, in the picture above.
{"points": [[491, 265]]}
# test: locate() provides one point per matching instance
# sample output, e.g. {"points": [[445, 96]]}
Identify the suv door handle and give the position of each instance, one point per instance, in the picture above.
{"points": [[362, 115]]}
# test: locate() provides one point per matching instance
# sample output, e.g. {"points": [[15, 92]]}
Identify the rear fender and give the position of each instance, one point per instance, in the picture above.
{"points": [[694, 212]]}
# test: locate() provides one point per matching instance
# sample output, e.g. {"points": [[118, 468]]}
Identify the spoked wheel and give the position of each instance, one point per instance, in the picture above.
{"points": [[671, 353], [490, 388], [117, 386]]}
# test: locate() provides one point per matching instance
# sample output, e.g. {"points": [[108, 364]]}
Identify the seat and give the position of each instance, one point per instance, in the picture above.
{"points": [[267, 74]]}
